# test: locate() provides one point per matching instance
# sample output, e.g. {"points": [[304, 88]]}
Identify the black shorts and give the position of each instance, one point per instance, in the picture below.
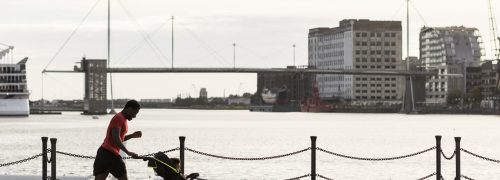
{"points": [[107, 162]]}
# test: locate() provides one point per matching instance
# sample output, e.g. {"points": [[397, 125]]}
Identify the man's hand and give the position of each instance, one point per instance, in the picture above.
{"points": [[136, 134], [133, 154]]}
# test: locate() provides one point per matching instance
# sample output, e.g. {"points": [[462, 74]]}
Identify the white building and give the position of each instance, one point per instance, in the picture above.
{"points": [[358, 44], [449, 50]]}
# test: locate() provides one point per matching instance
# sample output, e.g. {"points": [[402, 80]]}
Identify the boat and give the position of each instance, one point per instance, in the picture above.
{"points": [[268, 96], [14, 94], [314, 103]]}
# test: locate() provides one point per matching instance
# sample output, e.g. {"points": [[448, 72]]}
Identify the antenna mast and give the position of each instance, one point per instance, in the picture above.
{"points": [[112, 111]]}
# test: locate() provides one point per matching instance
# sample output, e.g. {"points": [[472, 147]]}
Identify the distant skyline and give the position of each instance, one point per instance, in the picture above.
{"points": [[263, 30]]}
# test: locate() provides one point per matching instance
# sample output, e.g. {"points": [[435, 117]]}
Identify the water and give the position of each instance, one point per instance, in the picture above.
{"points": [[237, 133]]}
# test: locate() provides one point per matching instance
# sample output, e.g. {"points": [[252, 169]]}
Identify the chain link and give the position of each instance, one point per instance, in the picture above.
{"points": [[479, 156], [428, 176], [377, 159], [468, 178], [295, 178], [21, 161], [247, 159], [449, 158], [323, 177], [152, 154], [93, 157]]}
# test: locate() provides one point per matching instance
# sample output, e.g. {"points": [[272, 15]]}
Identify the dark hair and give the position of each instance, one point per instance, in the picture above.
{"points": [[175, 160], [132, 104]]}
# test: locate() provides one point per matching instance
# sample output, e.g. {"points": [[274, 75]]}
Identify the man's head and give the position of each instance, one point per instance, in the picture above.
{"points": [[131, 109]]}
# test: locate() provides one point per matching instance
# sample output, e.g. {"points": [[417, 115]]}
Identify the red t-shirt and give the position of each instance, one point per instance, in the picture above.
{"points": [[119, 121]]}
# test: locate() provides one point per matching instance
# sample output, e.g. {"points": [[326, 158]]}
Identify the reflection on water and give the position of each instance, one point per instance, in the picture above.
{"points": [[253, 134]]}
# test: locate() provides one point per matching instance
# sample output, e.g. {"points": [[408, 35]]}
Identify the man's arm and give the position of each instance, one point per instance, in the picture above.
{"points": [[115, 132], [136, 134]]}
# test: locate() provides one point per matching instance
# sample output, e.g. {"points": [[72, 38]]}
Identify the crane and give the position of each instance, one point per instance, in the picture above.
{"points": [[4, 52], [493, 33]]}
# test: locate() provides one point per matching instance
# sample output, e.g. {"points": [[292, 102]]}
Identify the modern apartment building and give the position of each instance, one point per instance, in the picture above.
{"points": [[358, 44], [449, 50]]}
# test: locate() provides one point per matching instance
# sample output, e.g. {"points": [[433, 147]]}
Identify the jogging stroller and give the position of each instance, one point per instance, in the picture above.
{"points": [[165, 168]]}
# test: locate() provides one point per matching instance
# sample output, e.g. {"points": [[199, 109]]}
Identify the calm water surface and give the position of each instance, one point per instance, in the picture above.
{"points": [[252, 134]]}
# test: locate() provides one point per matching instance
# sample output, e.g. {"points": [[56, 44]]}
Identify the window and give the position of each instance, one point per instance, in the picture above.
{"points": [[357, 60], [357, 34], [393, 43], [386, 44], [387, 60], [393, 34]]}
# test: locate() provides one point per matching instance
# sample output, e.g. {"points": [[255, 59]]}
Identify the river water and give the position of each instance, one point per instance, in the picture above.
{"points": [[239, 133]]}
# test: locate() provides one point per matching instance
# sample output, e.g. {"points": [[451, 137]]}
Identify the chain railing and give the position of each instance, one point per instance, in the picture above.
{"points": [[299, 177], [376, 159], [479, 156], [21, 161], [428, 176], [247, 159], [128, 157], [449, 158], [323, 177], [312, 148], [468, 178]]}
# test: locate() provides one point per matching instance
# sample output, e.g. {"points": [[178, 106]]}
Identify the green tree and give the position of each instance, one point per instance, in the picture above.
{"points": [[454, 97], [474, 96]]}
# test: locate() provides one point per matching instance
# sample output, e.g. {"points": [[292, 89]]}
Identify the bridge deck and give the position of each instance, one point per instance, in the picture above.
{"points": [[254, 70]]}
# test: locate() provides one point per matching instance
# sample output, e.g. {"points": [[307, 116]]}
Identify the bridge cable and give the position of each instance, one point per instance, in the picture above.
{"points": [[399, 10], [72, 34], [146, 36], [204, 44], [418, 12], [62, 83], [199, 58], [134, 49]]}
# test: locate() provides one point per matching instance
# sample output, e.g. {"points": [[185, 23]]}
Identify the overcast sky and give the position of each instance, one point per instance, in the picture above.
{"points": [[263, 30]]}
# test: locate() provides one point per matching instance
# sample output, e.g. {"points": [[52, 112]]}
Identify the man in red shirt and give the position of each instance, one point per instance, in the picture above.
{"points": [[108, 159]]}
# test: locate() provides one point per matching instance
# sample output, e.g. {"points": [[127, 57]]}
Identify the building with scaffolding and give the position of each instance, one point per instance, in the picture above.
{"points": [[449, 50]]}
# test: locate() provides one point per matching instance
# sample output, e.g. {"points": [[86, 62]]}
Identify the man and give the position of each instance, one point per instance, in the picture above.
{"points": [[108, 159]]}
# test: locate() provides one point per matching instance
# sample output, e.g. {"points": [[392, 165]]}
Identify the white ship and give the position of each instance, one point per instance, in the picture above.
{"points": [[14, 95]]}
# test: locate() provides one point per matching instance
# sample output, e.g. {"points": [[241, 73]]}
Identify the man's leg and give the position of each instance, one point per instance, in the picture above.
{"points": [[102, 176], [123, 177]]}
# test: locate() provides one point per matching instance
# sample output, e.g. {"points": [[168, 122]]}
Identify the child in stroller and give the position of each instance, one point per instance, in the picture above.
{"points": [[168, 168]]}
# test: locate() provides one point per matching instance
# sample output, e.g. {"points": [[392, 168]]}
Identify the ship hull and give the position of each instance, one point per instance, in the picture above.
{"points": [[14, 107]]}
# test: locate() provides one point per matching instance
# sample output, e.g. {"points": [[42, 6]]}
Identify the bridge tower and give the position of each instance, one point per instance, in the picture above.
{"points": [[95, 100]]}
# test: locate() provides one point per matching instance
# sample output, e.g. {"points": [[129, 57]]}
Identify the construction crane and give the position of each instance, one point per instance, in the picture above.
{"points": [[493, 33], [4, 52]]}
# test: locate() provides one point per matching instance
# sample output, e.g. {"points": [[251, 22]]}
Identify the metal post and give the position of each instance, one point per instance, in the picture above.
{"points": [[182, 139], [438, 158], [313, 157], [457, 164], [44, 157], [53, 158]]}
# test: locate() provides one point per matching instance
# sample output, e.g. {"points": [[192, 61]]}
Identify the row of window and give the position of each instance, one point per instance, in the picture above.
{"points": [[377, 52], [436, 96], [376, 97], [375, 91], [375, 59], [375, 85], [331, 54], [375, 79], [437, 90], [375, 67], [374, 43], [364, 34]]}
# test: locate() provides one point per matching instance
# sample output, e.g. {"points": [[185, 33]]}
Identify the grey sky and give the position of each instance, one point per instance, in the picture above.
{"points": [[264, 31]]}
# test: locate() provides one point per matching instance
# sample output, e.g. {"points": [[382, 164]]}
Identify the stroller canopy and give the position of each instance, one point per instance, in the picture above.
{"points": [[164, 167]]}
